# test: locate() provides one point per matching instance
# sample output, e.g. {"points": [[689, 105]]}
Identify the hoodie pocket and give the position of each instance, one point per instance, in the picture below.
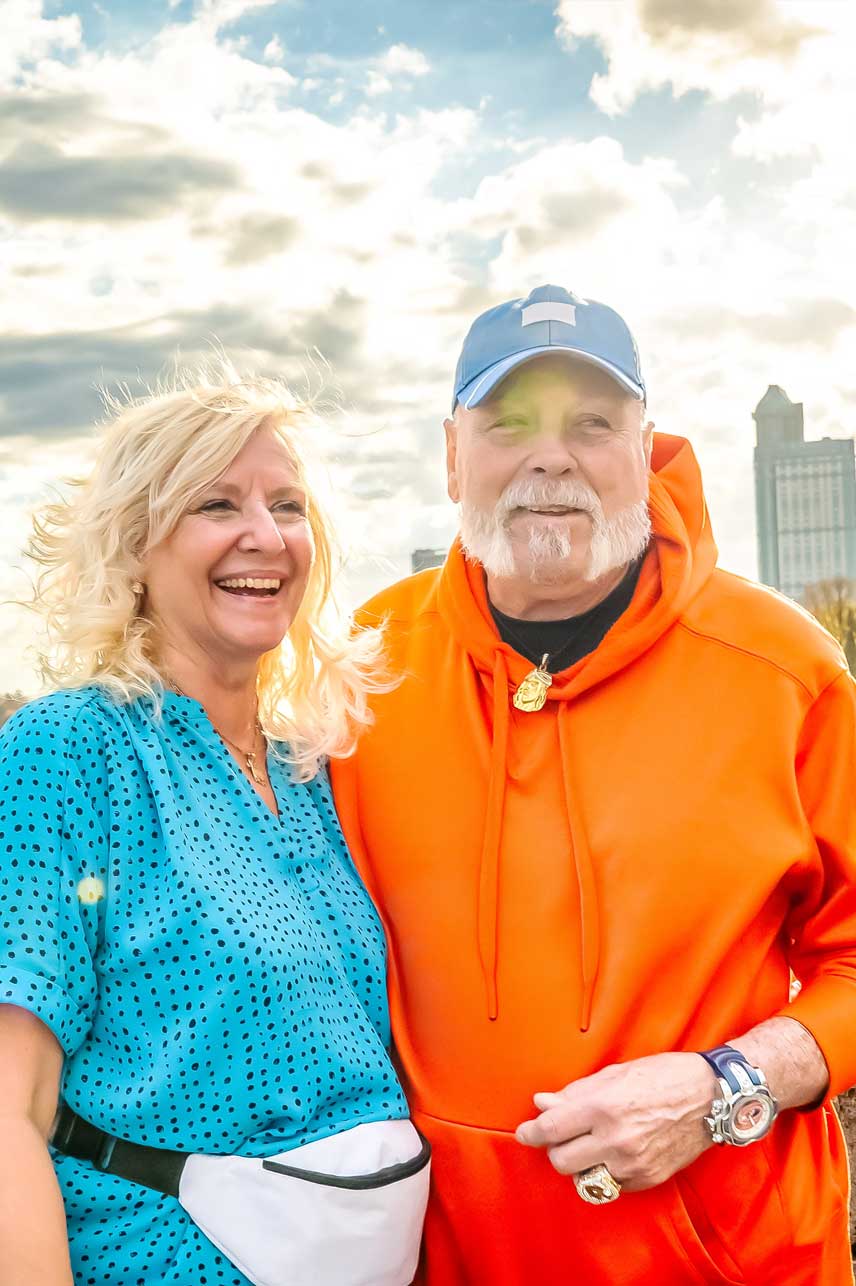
{"points": [[698, 1238]]}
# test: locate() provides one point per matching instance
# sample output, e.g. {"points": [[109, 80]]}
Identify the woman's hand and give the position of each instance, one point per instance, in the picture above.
{"points": [[642, 1119]]}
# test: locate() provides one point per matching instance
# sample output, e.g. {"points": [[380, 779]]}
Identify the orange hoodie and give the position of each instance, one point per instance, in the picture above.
{"points": [[633, 869]]}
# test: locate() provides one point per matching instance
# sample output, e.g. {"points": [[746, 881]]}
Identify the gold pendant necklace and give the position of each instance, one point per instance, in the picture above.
{"points": [[250, 756], [532, 693]]}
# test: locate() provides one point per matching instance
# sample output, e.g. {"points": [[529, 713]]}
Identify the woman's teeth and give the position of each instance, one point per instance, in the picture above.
{"points": [[250, 582]]}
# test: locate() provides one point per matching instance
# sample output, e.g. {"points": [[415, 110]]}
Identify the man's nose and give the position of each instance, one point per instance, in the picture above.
{"points": [[551, 455]]}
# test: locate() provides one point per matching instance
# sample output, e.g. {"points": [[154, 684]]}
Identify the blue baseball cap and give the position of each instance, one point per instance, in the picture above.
{"points": [[549, 320]]}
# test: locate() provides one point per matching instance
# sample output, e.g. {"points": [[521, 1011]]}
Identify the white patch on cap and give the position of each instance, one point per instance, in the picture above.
{"points": [[90, 890], [549, 311]]}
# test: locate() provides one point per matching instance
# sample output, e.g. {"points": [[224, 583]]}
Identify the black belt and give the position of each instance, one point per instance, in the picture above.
{"points": [[153, 1167]]}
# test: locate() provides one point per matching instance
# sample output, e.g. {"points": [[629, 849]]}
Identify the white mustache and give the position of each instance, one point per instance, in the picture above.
{"points": [[532, 493]]}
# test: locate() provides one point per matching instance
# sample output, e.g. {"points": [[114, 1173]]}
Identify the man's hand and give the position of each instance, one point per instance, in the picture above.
{"points": [[642, 1119]]}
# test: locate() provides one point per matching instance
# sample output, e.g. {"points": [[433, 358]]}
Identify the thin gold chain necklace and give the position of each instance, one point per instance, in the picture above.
{"points": [[250, 756], [554, 657]]}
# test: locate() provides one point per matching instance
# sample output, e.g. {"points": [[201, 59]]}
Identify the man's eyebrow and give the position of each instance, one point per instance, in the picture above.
{"points": [[505, 406]]}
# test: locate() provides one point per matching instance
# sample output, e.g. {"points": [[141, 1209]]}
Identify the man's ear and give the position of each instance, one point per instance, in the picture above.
{"points": [[451, 430], [648, 441]]}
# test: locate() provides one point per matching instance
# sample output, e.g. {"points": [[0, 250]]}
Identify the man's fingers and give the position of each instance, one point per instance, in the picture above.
{"points": [[565, 1114], [545, 1100], [579, 1154], [557, 1124], [542, 1132]]}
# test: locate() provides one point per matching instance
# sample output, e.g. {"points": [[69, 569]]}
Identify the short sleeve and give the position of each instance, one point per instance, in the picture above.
{"points": [[53, 864]]}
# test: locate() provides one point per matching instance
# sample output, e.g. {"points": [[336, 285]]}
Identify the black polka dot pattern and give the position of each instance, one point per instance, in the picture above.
{"points": [[214, 974]]}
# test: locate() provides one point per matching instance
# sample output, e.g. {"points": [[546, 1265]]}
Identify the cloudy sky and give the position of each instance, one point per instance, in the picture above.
{"points": [[332, 190]]}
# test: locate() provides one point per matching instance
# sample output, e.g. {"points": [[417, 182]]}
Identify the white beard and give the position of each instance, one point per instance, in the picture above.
{"points": [[615, 541]]}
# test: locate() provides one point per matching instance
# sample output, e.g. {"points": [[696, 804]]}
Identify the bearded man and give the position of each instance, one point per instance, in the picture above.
{"points": [[608, 818]]}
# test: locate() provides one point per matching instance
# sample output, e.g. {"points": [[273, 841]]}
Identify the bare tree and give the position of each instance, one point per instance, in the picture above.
{"points": [[833, 602]]}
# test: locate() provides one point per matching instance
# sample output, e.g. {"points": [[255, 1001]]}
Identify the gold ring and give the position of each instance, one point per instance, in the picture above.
{"points": [[597, 1186]]}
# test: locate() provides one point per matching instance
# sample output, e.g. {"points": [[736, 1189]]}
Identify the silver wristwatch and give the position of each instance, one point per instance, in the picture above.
{"points": [[745, 1109]]}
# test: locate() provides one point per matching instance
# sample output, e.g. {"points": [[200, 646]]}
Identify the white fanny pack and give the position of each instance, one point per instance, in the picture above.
{"points": [[343, 1211]]}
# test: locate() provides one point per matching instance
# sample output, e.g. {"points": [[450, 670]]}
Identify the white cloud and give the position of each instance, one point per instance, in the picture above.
{"points": [[214, 15], [28, 36], [377, 83], [403, 60], [722, 46], [811, 116], [393, 69], [575, 212], [795, 58], [273, 51]]}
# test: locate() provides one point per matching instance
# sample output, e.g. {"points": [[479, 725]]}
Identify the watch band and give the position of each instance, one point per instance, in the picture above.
{"points": [[720, 1060], [743, 1110]]}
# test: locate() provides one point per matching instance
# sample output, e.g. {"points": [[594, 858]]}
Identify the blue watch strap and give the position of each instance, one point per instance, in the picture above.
{"points": [[719, 1060]]}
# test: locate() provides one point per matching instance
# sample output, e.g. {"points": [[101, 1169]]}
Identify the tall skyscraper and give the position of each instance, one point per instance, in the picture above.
{"points": [[422, 559], [805, 496]]}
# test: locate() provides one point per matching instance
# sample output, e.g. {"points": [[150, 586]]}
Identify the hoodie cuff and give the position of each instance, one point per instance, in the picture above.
{"points": [[826, 1008]]}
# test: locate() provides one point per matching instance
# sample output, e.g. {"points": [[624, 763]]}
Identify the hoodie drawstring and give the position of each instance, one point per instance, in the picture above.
{"points": [[586, 885], [488, 897], [488, 903]]}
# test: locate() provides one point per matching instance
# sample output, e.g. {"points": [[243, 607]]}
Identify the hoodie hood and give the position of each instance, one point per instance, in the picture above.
{"points": [[680, 559]]}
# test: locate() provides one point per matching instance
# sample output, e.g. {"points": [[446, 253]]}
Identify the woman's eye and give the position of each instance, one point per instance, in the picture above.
{"points": [[216, 506], [284, 508]]}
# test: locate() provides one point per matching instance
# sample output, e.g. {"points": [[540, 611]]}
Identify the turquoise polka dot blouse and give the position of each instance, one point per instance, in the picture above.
{"points": [[214, 974]]}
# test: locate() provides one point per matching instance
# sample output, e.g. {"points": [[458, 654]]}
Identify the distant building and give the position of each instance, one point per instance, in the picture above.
{"points": [[421, 559], [805, 497]]}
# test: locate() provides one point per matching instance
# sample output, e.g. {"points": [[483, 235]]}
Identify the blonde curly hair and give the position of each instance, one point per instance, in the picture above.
{"points": [[157, 455]]}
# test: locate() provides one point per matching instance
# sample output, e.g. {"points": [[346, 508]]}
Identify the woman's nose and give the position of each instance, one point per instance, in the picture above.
{"points": [[261, 532]]}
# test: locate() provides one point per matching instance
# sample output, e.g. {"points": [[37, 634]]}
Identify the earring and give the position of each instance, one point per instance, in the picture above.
{"points": [[137, 587]]}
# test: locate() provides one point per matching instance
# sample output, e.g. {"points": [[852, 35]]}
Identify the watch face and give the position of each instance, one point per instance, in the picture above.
{"points": [[752, 1118]]}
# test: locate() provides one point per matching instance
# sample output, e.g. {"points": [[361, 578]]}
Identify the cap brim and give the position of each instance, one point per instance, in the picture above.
{"points": [[484, 384]]}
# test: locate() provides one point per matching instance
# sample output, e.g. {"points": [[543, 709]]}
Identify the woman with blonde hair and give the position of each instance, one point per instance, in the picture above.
{"points": [[194, 1035]]}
